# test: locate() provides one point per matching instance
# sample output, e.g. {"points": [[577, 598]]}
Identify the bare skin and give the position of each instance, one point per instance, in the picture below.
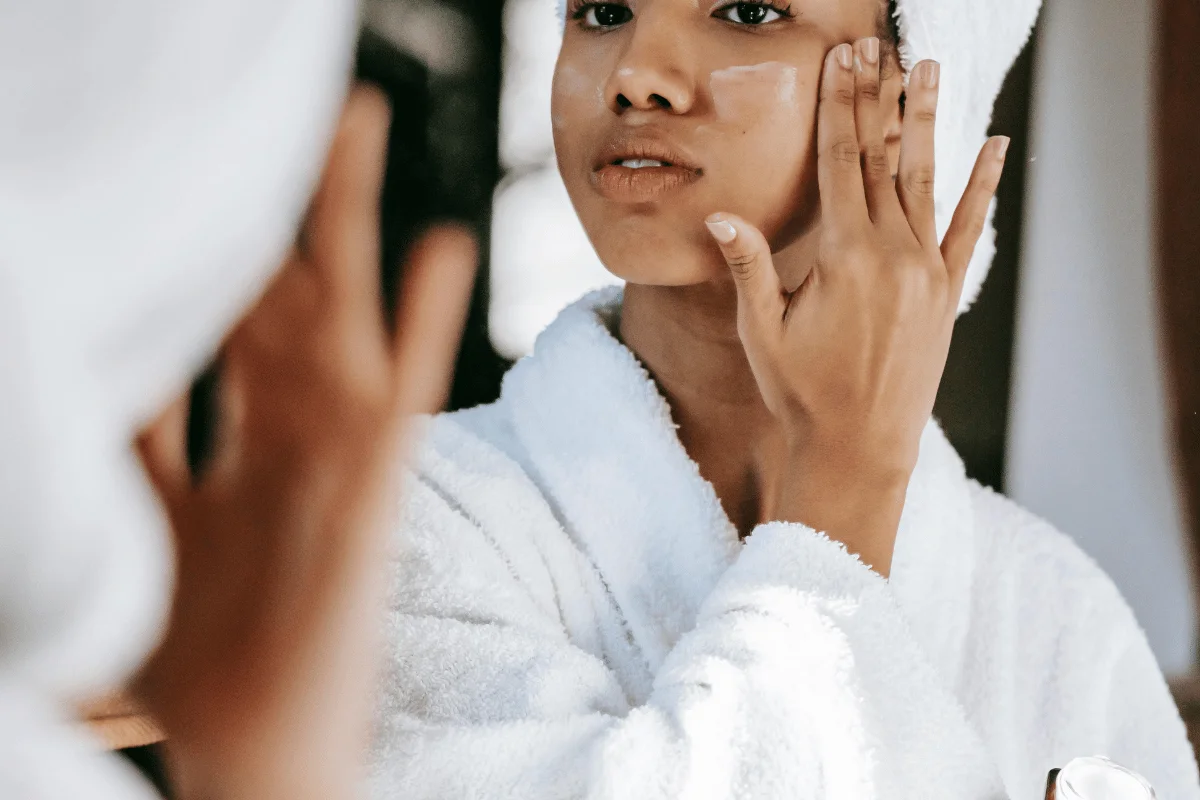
{"points": [[264, 681], [849, 363], [800, 357]]}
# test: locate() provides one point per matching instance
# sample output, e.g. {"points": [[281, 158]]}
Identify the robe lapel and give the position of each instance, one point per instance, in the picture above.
{"points": [[602, 440]]}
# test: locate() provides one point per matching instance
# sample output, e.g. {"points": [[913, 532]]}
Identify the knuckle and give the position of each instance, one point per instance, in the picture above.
{"points": [[929, 277], [875, 161], [869, 90], [914, 282], [743, 265], [919, 182], [844, 151], [922, 115], [842, 95], [858, 254]]}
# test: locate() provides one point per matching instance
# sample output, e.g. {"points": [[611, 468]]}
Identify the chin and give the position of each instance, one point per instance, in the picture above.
{"points": [[662, 259]]}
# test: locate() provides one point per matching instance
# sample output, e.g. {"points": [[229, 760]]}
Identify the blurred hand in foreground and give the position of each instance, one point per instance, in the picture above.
{"points": [[264, 681]]}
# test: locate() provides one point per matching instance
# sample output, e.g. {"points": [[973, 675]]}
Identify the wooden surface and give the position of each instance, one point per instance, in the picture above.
{"points": [[119, 722], [1178, 215]]}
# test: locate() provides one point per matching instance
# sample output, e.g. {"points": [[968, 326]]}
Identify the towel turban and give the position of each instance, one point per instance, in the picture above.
{"points": [[155, 159]]}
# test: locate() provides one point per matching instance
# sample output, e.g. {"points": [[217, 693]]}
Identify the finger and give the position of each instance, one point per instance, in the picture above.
{"points": [[162, 447], [882, 203], [843, 202], [971, 214], [434, 297], [916, 173], [341, 234], [760, 300], [232, 412]]}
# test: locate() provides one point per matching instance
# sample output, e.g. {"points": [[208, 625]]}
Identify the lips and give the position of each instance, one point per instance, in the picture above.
{"points": [[640, 169]]}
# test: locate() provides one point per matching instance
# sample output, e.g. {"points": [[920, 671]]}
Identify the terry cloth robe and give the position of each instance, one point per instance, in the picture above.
{"points": [[574, 616]]}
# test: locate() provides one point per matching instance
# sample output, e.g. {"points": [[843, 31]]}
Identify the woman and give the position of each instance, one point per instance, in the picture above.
{"points": [[708, 543]]}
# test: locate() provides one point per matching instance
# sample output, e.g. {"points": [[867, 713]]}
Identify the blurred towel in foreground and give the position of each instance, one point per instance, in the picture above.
{"points": [[154, 161]]}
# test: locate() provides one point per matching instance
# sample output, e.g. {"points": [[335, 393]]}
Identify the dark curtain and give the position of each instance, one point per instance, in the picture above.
{"points": [[972, 403]]}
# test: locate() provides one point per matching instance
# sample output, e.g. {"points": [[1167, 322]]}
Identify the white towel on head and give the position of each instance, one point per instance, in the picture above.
{"points": [[976, 42], [154, 161]]}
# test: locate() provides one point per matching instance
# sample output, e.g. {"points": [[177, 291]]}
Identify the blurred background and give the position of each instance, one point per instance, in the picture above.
{"points": [[1074, 382]]}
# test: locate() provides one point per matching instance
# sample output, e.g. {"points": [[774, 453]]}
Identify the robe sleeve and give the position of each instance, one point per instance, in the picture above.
{"points": [[1134, 717], [799, 680], [1142, 726]]}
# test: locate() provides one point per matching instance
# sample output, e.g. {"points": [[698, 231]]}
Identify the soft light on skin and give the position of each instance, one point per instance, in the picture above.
{"points": [[741, 104], [575, 83], [746, 93]]}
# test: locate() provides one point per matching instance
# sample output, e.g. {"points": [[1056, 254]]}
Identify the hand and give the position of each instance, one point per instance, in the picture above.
{"points": [[850, 362], [264, 681]]}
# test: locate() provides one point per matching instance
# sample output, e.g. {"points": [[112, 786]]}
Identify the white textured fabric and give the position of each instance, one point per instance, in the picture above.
{"points": [[155, 158], [574, 616], [976, 43]]}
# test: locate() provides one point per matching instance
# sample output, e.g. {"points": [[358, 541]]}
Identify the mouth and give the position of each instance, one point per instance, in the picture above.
{"points": [[642, 169]]}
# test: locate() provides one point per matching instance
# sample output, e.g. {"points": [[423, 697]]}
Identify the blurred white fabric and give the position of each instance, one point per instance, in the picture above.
{"points": [[155, 158]]}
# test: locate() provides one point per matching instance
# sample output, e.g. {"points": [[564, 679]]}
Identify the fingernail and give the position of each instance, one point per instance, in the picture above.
{"points": [[1000, 147], [931, 72], [845, 55], [722, 230], [870, 50]]}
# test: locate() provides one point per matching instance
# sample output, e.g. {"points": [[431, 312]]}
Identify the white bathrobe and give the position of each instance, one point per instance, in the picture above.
{"points": [[574, 616]]}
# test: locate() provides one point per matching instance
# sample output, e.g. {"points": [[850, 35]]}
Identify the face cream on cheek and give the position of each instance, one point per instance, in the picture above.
{"points": [[756, 138], [573, 92], [746, 95]]}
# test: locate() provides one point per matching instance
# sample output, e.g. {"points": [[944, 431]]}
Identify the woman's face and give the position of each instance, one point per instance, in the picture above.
{"points": [[665, 111]]}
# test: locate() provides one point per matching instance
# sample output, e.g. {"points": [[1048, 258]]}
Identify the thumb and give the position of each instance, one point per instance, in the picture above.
{"points": [[748, 256]]}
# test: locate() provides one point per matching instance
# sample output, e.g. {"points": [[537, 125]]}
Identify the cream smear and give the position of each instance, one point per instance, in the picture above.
{"points": [[747, 94]]}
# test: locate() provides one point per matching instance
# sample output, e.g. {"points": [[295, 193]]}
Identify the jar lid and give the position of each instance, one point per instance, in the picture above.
{"points": [[1096, 778]]}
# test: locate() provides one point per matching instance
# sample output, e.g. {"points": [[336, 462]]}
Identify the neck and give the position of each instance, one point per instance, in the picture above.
{"points": [[687, 339]]}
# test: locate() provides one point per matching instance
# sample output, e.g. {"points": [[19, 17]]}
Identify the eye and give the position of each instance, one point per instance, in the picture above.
{"points": [[750, 13], [603, 15]]}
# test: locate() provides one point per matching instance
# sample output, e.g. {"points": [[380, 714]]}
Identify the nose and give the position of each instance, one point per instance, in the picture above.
{"points": [[651, 74]]}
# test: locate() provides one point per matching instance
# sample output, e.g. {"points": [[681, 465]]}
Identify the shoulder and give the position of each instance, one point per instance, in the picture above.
{"points": [[1051, 580], [1055, 624], [1017, 545], [1066, 634]]}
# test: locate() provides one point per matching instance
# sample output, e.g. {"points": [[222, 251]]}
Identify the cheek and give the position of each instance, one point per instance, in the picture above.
{"points": [[747, 95], [764, 117], [576, 99]]}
